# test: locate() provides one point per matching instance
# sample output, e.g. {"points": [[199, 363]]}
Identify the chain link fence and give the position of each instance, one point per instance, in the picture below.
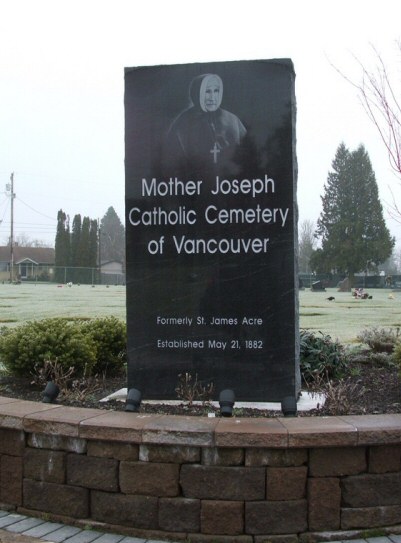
{"points": [[32, 272]]}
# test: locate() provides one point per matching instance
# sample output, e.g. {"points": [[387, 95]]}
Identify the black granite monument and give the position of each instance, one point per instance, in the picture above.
{"points": [[211, 216]]}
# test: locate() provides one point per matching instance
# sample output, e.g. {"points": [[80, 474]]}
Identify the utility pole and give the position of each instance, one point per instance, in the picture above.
{"points": [[100, 253], [10, 187]]}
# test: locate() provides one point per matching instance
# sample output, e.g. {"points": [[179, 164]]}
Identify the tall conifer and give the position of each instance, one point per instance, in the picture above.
{"points": [[112, 234], [62, 246], [351, 225]]}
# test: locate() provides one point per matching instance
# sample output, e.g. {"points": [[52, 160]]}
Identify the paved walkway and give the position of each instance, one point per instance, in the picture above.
{"points": [[29, 529]]}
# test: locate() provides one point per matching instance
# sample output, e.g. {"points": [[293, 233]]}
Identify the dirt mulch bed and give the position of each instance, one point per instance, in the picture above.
{"points": [[368, 388]]}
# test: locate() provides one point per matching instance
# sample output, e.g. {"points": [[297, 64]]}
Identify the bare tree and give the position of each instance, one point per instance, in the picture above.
{"points": [[380, 95], [397, 258], [23, 240], [307, 244], [379, 98]]}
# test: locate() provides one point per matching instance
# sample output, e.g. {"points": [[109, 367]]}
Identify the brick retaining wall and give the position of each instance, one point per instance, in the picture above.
{"points": [[201, 479]]}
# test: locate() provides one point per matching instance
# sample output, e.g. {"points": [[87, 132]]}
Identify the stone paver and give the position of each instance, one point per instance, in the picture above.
{"points": [[85, 536], [43, 529], [11, 518], [55, 532], [110, 538], [61, 534], [23, 525]]}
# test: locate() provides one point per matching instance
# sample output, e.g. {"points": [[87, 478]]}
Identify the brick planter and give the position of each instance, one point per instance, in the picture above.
{"points": [[200, 479]]}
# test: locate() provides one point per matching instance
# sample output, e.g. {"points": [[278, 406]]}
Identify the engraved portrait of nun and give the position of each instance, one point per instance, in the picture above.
{"points": [[204, 137]]}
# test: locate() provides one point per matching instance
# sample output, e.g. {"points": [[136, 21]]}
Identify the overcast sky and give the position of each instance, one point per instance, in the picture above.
{"points": [[62, 89]]}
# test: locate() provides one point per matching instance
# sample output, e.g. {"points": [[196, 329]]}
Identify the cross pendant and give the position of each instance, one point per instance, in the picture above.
{"points": [[214, 152]]}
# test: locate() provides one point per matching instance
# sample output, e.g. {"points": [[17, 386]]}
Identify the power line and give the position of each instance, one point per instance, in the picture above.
{"points": [[20, 228], [32, 224], [36, 211], [5, 211]]}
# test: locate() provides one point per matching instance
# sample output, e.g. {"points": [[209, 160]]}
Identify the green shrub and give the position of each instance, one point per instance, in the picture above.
{"points": [[96, 346], [110, 336], [379, 340], [321, 356], [31, 344]]}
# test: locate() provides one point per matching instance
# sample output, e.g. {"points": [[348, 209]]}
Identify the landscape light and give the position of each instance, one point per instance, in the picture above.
{"points": [[226, 401], [133, 401], [50, 392], [289, 406]]}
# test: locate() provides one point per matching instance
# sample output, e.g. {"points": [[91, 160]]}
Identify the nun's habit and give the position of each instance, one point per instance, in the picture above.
{"points": [[203, 138]]}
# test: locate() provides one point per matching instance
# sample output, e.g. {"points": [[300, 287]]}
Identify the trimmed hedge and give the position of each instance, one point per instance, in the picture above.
{"points": [[110, 337], [90, 347]]}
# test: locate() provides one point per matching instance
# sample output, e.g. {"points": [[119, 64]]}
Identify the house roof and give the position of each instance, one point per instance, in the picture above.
{"points": [[104, 262], [38, 255]]}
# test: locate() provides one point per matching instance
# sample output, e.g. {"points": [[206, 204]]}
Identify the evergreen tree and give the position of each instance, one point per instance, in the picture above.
{"points": [[351, 225], [94, 249], [62, 246], [93, 244], [83, 257], [78, 250], [112, 237], [83, 246], [75, 240]]}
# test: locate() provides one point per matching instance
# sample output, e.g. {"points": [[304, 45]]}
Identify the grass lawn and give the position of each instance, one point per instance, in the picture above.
{"points": [[342, 318], [26, 302], [345, 317]]}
